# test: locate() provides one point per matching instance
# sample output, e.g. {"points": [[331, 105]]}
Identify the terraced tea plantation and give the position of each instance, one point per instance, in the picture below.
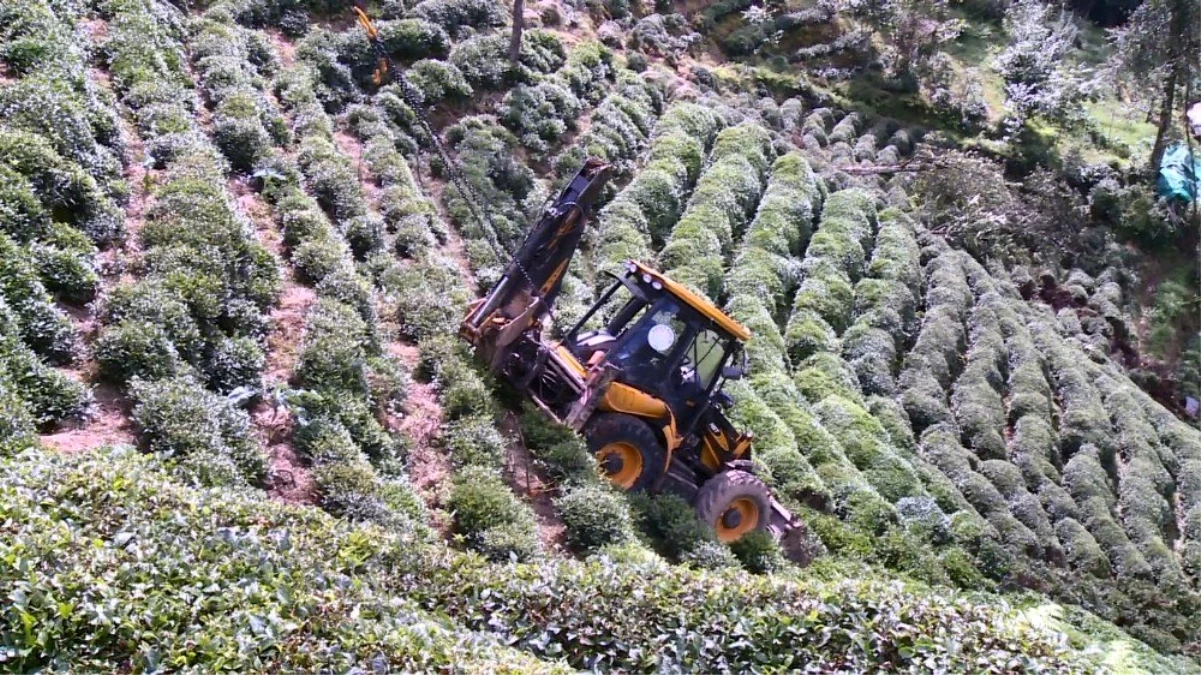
{"points": [[238, 430]]}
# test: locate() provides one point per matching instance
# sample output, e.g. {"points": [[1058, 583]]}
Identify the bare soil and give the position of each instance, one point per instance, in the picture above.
{"points": [[283, 47], [109, 424], [530, 483], [289, 478], [353, 148]]}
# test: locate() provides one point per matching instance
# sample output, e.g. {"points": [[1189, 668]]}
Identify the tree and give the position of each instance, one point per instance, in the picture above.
{"points": [[518, 26], [1040, 79], [1160, 45], [912, 32]]}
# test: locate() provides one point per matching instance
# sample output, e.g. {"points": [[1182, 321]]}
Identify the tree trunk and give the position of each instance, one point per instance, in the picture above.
{"points": [[1165, 118], [518, 26]]}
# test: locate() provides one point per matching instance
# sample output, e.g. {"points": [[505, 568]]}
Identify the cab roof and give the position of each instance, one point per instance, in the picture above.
{"points": [[695, 301]]}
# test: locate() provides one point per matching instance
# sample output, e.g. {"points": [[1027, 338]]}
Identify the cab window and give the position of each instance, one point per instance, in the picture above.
{"points": [[705, 355], [653, 339]]}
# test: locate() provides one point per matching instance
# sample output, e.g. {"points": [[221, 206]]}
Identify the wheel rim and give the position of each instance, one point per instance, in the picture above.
{"points": [[740, 517], [621, 462]]}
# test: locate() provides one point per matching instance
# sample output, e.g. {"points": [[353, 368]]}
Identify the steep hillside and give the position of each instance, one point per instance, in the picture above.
{"points": [[223, 243]]}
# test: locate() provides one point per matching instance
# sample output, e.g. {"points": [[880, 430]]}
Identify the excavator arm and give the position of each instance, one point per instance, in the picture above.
{"points": [[526, 291]]}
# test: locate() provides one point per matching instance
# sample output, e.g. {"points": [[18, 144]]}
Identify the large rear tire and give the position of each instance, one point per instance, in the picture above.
{"points": [[627, 450], [734, 503]]}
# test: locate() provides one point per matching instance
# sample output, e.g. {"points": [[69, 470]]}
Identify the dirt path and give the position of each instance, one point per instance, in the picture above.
{"points": [[289, 478], [532, 485]]}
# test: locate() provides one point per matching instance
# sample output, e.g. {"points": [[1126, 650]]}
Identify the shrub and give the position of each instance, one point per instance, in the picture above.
{"points": [[234, 363], [364, 234], [454, 15], [148, 302], [559, 450], [68, 271], [437, 81], [523, 602], [134, 348], [671, 523], [474, 441], [709, 555], [427, 295], [540, 114], [17, 427], [334, 355], [199, 432], [43, 326], [595, 516], [867, 445], [759, 553], [481, 503]]}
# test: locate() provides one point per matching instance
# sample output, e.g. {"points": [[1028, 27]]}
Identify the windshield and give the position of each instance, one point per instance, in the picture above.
{"points": [[652, 340]]}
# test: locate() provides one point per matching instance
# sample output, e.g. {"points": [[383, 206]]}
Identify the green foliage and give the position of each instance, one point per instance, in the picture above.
{"points": [[721, 206], [41, 325], [455, 15], [490, 517], [759, 553], [483, 59], [474, 441], [438, 81], [671, 524], [595, 516], [206, 439], [135, 348], [559, 450]]}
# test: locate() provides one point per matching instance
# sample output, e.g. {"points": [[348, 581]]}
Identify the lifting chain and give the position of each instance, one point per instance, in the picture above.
{"points": [[470, 197]]}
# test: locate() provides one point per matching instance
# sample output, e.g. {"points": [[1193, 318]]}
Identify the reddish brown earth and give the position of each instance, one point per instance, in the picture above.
{"points": [[109, 425], [283, 47], [532, 485], [289, 478]]}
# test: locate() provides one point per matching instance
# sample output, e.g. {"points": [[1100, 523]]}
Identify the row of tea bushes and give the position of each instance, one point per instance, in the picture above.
{"points": [[318, 593], [721, 206], [61, 182], [347, 381], [762, 279], [232, 65], [541, 113], [424, 288], [646, 210], [207, 578], [198, 312]]}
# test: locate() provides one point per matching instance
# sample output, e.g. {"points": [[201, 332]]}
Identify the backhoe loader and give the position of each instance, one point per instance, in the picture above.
{"points": [[644, 385], [640, 374]]}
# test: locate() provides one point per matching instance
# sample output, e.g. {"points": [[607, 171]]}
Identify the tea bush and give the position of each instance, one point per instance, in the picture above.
{"points": [[35, 393], [206, 439], [483, 59], [455, 15], [42, 326], [521, 601], [725, 198], [595, 516], [490, 517], [649, 206]]}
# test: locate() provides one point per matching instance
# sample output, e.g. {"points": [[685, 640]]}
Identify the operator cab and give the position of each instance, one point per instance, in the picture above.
{"points": [[662, 339]]}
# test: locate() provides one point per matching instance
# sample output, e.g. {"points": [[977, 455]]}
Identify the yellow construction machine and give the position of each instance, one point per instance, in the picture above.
{"points": [[643, 383], [640, 374]]}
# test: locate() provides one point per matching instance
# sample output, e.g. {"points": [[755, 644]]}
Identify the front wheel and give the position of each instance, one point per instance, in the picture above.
{"points": [[627, 450], [734, 503]]}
